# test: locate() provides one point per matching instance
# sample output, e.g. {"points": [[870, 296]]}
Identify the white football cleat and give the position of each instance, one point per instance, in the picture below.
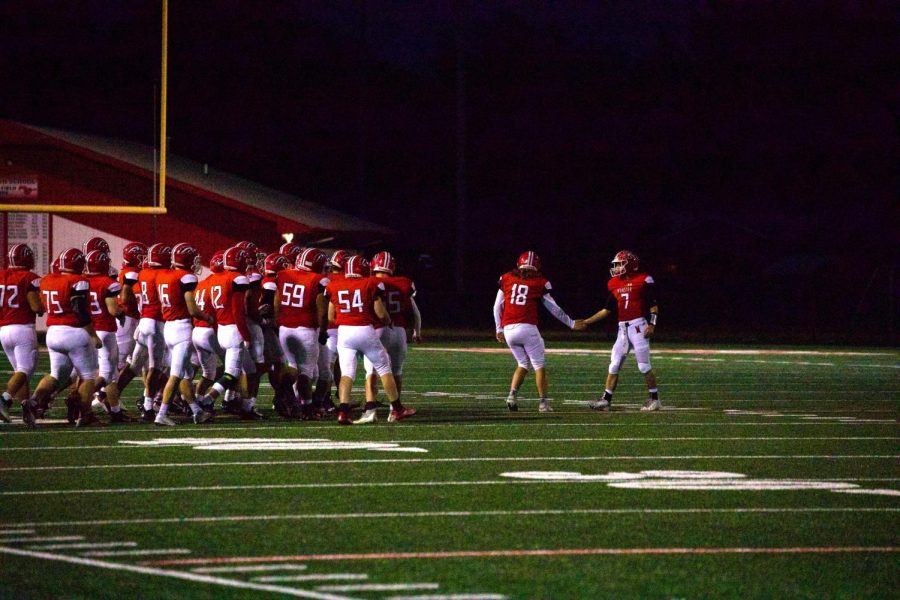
{"points": [[651, 404], [601, 404], [368, 416], [544, 405], [511, 404], [164, 421]]}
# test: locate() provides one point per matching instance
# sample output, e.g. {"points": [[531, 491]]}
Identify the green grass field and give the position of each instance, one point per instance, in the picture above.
{"points": [[767, 475]]}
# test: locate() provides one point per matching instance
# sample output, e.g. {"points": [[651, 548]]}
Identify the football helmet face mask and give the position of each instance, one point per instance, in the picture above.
{"points": [[339, 259], [20, 256], [290, 250], [235, 259], [256, 258], [529, 261], [95, 243], [624, 262], [96, 263], [133, 254], [71, 261], [159, 256], [276, 262], [216, 264], [312, 260], [187, 257], [384, 262], [357, 266]]}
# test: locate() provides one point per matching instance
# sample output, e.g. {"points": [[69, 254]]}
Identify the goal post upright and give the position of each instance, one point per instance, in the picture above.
{"points": [[160, 208]]}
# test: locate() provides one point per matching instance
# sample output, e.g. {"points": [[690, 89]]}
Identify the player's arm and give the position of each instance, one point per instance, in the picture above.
{"points": [[498, 317], [555, 310], [603, 312], [33, 297], [267, 301], [110, 301], [82, 310], [276, 304], [416, 320], [126, 294], [654, 310], [239, 306]]}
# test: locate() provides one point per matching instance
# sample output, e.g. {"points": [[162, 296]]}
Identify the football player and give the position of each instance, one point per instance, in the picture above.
{"points": [[516, 322], [227, 292], [257, 349], [274, 355], [329, 368], [71, 338], [632, 294], [150, 347], [300, 311], [290, 251], [103, 293], [20, 302], [204, 338], [95, 243], [175, 288], [400, 300], [133, 255], [356, 302]]}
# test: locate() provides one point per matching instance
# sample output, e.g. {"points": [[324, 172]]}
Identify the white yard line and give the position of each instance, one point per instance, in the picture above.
{"points": [[149, 552], [250, 569], [314, 577], [15, 532], [183, 575], [378, 587], [55, 538], [663, 351], [379, 484], [451, 597], [84, 546], [269, 463], [463, 513]]}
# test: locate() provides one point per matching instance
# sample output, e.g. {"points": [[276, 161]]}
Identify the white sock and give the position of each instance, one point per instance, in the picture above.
{"points": [[249, 403], [7, 397], [148, 403], [195, 408], [163, 409]]}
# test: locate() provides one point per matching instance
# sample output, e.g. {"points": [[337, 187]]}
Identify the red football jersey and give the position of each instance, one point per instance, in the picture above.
{"points": [[354, 300], [335, 276], [222, 287], [201, 297], [14, 287], [297, 292], [150, 306], [631, 294], [398, 293], [521, 297], [172, 285], [101, 288], [58, 289], [129, 276]]}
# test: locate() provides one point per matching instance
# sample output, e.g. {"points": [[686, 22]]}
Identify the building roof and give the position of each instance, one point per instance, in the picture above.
{"points": [[179, 169]]}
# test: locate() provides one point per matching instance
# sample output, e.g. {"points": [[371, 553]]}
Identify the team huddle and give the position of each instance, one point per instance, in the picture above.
{"points": [[298, 316]]}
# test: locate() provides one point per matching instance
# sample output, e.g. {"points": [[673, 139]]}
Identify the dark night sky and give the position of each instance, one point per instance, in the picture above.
{"points": [[693, 131]]}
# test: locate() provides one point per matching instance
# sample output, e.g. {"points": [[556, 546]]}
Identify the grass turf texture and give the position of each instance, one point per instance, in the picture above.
{"points": [[453, 498]]}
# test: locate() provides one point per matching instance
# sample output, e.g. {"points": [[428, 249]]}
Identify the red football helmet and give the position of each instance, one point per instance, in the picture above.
{"points": [[20, 256], [384, 262], [276, 262], [529, 260], [290, 250], [312, 260], [133, 254], [187, 257], [96, 263], [71, 261], [339, 259], [624, 262], [235, 259], [216, 262], [95, 243], [160, 256], [255, 256], [54, 266], [357, 266]]}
